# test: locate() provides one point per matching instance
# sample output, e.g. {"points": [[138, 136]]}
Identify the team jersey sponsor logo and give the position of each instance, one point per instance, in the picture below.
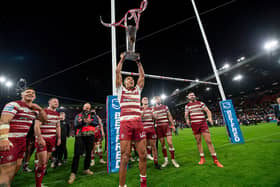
{"points": [[142, 135], [9, 108]]}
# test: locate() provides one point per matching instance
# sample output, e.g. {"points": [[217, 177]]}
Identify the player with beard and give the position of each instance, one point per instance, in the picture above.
{"points": [[45, 140], [194, 115]]}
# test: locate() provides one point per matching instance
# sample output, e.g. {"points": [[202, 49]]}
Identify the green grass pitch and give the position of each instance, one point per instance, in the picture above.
{"points": [[255, 163]]}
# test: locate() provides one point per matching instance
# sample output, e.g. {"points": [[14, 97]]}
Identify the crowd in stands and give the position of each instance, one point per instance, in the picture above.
{"points": [[250, 109]]}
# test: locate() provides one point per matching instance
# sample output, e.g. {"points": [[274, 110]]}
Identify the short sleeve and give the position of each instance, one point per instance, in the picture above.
{"points": [[203, 105], [11, 108], [186, 108], [167, 109]]}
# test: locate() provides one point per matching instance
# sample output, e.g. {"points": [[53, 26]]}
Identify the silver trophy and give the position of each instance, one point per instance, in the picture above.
{"points": [[131, 30], [130, 43]]}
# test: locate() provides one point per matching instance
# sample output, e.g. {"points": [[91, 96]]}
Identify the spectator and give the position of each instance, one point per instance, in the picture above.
{"points": [[277, 111], [85, 124]]}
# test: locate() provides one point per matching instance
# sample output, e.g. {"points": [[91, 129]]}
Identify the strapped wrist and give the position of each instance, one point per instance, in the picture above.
{"points": [[5, 131], [4, 137]]}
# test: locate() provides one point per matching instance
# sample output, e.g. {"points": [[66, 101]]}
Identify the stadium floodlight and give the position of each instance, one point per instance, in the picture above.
{"points": [[163, 96], [208, 89], [2, 79], [61, 107], [237, 77], [226, 66], [241, 59], [197, 79], [9, 84], [271, 45]]}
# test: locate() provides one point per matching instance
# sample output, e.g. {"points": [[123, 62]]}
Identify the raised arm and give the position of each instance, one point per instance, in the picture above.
{"points": [[118, 71], [141, 79]]}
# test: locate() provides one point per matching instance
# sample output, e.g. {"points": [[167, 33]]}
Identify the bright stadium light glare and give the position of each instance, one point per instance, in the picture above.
{"points": [[271, 45], [241, 59], [196, 79], [9, 84], [226, 66], [208, 89], [163, 96], [2, 79], [61, 107], [153, 101], [237, 78]]}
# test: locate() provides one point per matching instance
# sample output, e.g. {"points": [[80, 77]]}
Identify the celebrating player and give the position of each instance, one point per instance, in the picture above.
{"points": [[131, 126], [16, 119], [98, 137], [148, 122], [163, 119], [194, 115], [46, 134]]}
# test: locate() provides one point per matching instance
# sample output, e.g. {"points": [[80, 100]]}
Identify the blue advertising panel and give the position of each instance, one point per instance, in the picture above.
{"points": [[231, 121], [113, 133]]}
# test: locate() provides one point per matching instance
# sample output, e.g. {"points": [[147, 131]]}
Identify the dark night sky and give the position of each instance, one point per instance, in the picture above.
{"points": [[36, 46]]}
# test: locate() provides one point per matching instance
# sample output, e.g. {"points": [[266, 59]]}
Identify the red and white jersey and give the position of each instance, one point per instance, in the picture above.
{"points": [[147, 117], [23, 117], [48, 128], [196, 111], [161, 113], [98, 128], [130, 103]]}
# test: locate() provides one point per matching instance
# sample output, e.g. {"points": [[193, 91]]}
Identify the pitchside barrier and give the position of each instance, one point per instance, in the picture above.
{"points": [[230, 118], [113, 133]]}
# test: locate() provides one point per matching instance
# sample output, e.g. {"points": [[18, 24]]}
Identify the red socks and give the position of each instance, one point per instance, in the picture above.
{"points": [[164, 152], [149, 150], [214, 156], [143, 181], [172, 151], [39, 174]]}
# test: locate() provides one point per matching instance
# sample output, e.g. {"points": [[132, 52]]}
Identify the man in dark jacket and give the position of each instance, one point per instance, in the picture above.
{"points": [[85, 123]]}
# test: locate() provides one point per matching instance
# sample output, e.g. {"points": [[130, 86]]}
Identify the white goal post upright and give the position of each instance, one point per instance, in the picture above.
{"points": [[114, 48], [220, 86], [227, 108]]}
